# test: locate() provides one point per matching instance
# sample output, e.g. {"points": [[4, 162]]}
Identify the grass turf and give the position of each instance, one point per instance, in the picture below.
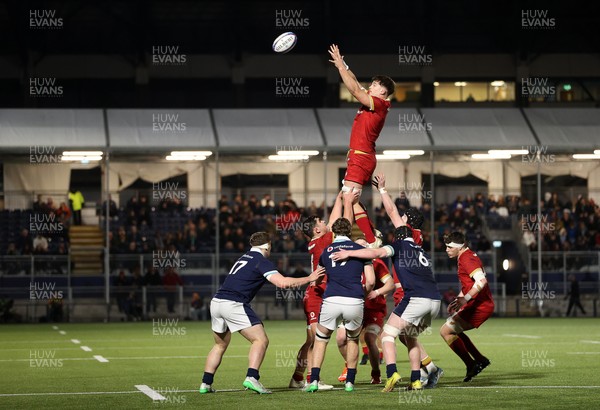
{"points": [[535, 363]]}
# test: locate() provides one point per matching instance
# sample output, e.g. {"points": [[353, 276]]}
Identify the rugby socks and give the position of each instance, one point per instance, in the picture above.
{"points": [[298, 376], [253, 373], [460, 349], [390, 369], [428, 365], [415, 375], [365, 349], [208, 378], [362, 220], [315, 373], [351, 376], [471, 348]]}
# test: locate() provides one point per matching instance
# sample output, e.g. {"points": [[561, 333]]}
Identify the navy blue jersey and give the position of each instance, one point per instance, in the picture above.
{"points": [[413, 268], [344, 278], [246, 277]]}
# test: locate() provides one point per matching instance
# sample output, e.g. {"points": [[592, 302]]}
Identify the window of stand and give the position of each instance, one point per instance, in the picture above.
{"points": [[465, 91]]}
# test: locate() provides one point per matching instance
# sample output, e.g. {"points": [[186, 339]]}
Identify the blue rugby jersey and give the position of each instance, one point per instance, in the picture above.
{"points": [[344, 278], [413, 267], [246, 277]]}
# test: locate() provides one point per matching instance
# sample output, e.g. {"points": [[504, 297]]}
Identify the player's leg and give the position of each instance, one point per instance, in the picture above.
{"points": [[365, 348], [213, 360], [352, 356], [297, 380], [259, 343], [353, 316], [391, 330], [342, 343], [414, 357], [372, 332], [449, 331], [322, 338], [364, 223]]}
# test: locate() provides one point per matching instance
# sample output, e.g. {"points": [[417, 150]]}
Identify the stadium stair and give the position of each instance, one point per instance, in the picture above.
{"points": [[86, 249]]}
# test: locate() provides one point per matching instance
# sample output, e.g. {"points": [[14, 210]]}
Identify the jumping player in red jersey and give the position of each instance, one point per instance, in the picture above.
{"points": [[473, 306], [366, 128], [321, 237]]}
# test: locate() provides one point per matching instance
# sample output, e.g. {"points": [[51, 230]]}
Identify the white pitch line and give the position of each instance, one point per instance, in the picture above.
{"points": [[54, 327], [583, 352], [596, 342], [86, 349], [519, 387], [100, 359], [62, 332], [153, 394], [523, 336], [67, 393], [75, 341], [127, 358], [285, 389]]}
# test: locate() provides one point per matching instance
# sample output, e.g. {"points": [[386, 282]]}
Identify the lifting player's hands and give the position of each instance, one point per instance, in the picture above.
{"points": [[340, 255], [316, 276], [351, 197], [452, 307], [336, 58], [372, 295], [379, 181]]}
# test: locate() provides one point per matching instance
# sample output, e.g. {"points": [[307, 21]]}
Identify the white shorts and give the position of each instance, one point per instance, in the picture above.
{"points": [[235, 316], [336, 309], [418, 311]]}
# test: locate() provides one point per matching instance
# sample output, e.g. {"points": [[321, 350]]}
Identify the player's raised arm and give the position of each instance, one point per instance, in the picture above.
{"points": [[336, 211], [365, 253], [281, 281], [388, 204], [349, 78]]}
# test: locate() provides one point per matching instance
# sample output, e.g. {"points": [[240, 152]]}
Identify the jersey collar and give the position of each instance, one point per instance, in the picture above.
{"points": [[341, 238]]}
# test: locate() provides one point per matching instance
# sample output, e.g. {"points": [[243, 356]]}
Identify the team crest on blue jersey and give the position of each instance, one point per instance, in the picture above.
{"points": [[330, 249]]}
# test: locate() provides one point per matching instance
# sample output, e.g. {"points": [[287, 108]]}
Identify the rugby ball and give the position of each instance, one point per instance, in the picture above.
{"points": [[285, 42]]}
